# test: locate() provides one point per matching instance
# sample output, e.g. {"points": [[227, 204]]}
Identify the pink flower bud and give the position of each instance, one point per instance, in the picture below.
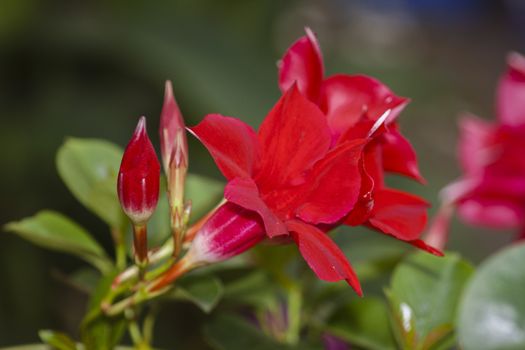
{"points": [[173, 143], [230, 231], [138, 179]]}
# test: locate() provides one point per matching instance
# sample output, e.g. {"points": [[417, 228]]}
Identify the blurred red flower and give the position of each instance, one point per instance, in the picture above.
{"points": [[491, 191]]}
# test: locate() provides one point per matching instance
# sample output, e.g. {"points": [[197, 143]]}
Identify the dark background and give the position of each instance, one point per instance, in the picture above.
{"points": [[90, 69]]}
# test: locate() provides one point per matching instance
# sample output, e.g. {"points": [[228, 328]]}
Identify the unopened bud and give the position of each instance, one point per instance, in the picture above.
{"points": [[174, 147], [173, 143], [138, 179], [138, 187], [229, 231]]}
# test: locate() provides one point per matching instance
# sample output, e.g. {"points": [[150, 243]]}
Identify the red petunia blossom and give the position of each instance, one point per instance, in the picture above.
{"points": [[317, 161], [491, 191], [352, 105]]}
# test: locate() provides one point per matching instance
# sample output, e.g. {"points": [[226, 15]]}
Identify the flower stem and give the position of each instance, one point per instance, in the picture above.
{"points": [[120, 248], [295, 300], [140, 245]]}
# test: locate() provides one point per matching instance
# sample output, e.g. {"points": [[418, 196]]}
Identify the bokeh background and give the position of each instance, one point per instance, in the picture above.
{"points": [[91, 68]]}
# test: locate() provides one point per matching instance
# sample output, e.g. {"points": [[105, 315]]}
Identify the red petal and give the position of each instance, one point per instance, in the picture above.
{"points": [[333, 186], [373, 163], [437, 234], [293, 137], [498, 212], [399, 156], [346, 98], [302, 64], [322, 255], [364, 205], [484, 201], [420, 244], [511, 92], [475, 138], [232, 144], [399, 214], [244, 193]]}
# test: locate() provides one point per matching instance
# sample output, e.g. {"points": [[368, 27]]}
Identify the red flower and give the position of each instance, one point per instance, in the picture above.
{"points": [[491, 192], [353, 105], [317, 161], [138, 178], [288, 175]]}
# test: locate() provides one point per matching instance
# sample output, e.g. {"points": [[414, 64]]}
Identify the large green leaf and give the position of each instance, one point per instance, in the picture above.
{"points": [[492, 309], [203, 290], [89, 168], [55, 231], [365, 323], [424, 295]]}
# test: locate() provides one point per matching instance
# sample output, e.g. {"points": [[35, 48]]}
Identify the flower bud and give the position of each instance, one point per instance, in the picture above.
{"points": [[174, 148], [230, 231], [138, 179], [173, 143]]}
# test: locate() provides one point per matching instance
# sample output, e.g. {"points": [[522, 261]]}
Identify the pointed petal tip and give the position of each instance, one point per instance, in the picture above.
{"points": [[168, 88], [356, 286], [141, 127], [311, 36]]}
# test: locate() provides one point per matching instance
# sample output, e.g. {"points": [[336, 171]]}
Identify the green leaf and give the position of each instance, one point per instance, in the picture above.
{"points": [[228, 332], [492, 309], [254, 289], [365, 323], [57, 232], [202, 290], [89, 168], [57, 340], [204, 193], [424, 296], [84, 279], [159, 228], [97, 331]]}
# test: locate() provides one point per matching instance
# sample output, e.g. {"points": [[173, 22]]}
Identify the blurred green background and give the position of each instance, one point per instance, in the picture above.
{"points": [[91, 68]]}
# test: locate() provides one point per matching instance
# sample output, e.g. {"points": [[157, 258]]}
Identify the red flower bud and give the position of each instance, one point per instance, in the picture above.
{"points": [[173, 143], [139, 174], [230, 231]]}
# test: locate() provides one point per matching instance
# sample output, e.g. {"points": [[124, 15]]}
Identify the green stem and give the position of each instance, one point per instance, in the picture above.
{"points": [[149, 324], [134, 333], [295, 300]]}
